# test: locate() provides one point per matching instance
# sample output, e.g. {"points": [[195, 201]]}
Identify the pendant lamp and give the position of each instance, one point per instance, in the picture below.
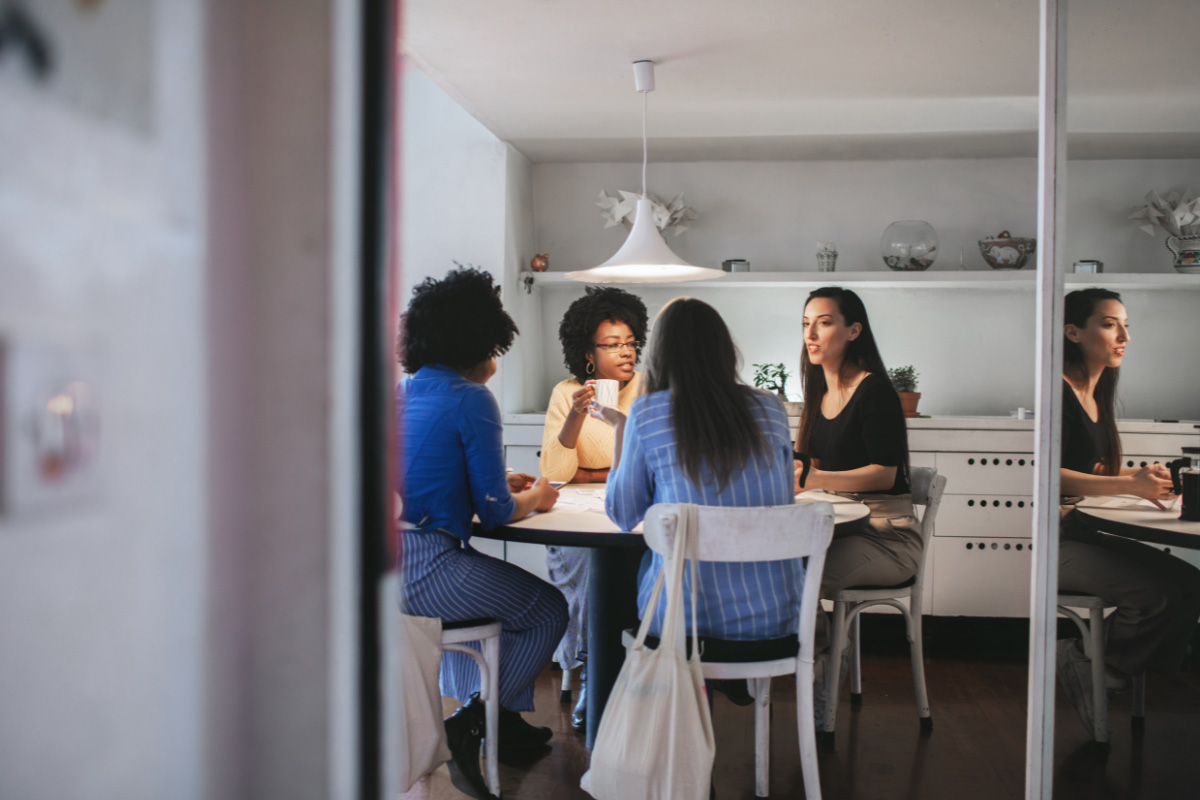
{"points": [[645, 256]]}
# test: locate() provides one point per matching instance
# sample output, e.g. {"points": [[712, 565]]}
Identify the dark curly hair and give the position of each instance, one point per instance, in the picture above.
{"points": [[599, 304], [457, 321]]}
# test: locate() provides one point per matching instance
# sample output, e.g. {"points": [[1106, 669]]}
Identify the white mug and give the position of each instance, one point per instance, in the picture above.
{"points": [[606, 392]]}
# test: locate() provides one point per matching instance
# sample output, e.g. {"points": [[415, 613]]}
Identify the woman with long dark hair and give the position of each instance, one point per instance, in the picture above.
{"points": [[853, 440], [601, 335], [699, 435], [1157, 595], [452, 468]]}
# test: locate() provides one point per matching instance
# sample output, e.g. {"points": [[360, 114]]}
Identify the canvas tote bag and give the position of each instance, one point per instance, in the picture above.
{"points": [[656, 737], [415, 735]]}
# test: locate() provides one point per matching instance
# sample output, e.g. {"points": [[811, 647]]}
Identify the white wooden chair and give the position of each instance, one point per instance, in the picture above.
{"points": [[927, 488], [1092, 630], [455, 636], [761, 534]]}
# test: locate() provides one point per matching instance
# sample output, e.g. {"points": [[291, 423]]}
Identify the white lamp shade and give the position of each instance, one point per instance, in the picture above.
{"points": [[645, 258]]}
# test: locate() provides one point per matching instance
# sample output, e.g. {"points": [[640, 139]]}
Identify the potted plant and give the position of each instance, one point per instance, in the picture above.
{"points": [[773, 378], [904, 380]]}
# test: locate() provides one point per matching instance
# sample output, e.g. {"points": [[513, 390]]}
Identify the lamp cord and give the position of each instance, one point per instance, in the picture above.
{"points": [[645, 97]]}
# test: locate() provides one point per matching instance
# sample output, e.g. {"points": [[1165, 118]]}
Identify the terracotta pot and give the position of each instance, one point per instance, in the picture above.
{"points": [[908, 401]]}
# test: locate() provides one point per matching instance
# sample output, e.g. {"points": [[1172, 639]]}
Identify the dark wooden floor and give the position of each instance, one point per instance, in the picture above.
{"points": [[977, 687]]}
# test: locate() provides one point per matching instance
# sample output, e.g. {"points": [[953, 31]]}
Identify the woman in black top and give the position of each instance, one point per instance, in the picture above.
{"points": [[853, 431], [1157, 595]]}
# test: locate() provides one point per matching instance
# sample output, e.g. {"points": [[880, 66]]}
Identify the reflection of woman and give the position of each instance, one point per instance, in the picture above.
{"points": [[601, 334], [1157, 595], [698, 435], [453, 469], [853, 429]]}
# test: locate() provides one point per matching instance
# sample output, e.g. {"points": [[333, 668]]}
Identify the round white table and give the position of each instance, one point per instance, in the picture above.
{"points": [[1138, 519], [579, 520]]}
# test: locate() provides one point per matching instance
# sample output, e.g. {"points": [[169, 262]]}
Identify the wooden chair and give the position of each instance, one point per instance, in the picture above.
{"points": [[1092, 630], [748, 535], [455, 636], [848, 604]]}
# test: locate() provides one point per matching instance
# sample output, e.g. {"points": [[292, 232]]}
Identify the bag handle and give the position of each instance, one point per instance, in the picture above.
{"points": [[685, 548]]}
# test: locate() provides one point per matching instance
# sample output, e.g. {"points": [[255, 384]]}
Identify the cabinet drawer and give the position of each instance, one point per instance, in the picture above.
{"points": [[1164, 446], [523, 458], [981, 577], [1141, 459], [988, 515], [987, 472]]}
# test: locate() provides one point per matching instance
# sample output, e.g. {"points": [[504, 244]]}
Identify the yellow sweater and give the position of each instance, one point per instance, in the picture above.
{"points": [[596, 439]]}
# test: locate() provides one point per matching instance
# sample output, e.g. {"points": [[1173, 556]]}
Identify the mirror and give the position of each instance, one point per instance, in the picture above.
{"points": [[1133, 129]]}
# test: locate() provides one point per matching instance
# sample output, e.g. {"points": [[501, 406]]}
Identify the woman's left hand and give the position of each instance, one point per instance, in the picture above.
{"points": [[610, 415], [519, 481]]}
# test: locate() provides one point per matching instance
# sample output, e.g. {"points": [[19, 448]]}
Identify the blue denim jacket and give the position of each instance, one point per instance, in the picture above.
{"points": [[451, 450]]}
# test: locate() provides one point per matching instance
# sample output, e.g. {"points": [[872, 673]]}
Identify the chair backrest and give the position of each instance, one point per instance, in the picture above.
{"points": [[773, 533], [927, 488]]}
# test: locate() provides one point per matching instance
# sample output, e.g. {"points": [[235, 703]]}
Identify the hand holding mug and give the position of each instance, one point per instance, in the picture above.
{"points": [[582, 397]]}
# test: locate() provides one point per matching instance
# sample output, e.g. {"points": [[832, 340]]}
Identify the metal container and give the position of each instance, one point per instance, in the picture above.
{"points": [[1089, 266], [735, 265]]}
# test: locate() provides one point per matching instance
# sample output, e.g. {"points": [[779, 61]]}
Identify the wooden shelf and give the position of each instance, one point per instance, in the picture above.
{"points": [[933, 279]]}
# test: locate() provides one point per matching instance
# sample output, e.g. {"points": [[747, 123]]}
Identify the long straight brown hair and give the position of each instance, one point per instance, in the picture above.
{"points": [[1079, 306], [861, 353], [692, 354]]}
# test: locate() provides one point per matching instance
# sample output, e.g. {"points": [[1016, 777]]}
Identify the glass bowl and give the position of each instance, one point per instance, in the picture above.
{"points": [[909, 245]]}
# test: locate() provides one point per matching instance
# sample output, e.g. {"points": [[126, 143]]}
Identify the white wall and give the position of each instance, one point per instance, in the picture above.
{"points": [[467, 197], [102, 605], [973, 350]]}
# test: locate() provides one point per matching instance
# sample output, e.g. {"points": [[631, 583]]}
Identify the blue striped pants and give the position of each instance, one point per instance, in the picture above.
{"points": [[444, 577]]}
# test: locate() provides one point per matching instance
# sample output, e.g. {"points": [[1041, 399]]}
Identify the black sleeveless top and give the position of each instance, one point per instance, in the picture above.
{"points": [[869, 430], [1084, 443]]}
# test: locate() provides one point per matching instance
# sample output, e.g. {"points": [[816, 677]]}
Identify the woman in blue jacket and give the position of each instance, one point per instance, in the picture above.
{"points": [[452, 469]]}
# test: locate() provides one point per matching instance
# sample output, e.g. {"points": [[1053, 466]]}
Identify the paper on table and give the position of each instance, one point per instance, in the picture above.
{"points": [[582, 500], [1125, 501]]}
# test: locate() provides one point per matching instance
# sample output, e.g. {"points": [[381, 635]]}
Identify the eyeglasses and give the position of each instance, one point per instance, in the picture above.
{"points": [[620, 347]]}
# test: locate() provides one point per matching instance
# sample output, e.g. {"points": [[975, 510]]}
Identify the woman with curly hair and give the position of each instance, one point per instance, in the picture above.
{"points": [[601, 334], [452, 468]]}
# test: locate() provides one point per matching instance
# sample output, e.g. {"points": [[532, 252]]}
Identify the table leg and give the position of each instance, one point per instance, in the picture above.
{"points": [[612, 607]]}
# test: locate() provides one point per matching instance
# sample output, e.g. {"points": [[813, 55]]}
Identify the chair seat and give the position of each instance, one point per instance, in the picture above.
{"points": [[1075, 600], [727, 651], [469, 630], [855, 593], [466, 623]]}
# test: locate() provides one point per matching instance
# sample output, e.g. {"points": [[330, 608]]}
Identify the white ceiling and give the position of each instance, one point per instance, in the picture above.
{"points": [[780, 79]]}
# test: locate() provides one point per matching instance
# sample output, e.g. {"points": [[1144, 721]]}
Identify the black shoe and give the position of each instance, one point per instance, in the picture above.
{"points": [[735, 690], [515, 732], [464, 732], [579, 715]]}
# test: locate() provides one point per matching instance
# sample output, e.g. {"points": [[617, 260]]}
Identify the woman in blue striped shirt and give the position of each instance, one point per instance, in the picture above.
{"points": [[452, 469], [699, 435]]}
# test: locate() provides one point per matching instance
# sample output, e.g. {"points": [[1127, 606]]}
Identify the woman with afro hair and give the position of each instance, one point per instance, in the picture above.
{"points": [[452, 468], [601, 334]]}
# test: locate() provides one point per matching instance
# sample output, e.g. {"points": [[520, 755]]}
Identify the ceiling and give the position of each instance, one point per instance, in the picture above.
{"points": [[781, 79]]}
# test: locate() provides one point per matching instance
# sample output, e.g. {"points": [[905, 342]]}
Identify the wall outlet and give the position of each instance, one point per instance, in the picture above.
{"points": [[49, 426]]}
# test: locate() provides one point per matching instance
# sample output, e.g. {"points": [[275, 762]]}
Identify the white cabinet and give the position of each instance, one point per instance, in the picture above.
{"points": [[981, 577], [523, 458]]}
